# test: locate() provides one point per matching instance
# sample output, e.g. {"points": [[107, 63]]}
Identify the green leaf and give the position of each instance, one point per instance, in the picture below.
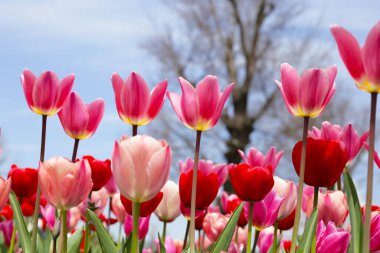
{"points": [[309, 232], [225, 237], [355, 213], [23, 232], [73, 243], [105, 240], [162, 244], [44, 241]]}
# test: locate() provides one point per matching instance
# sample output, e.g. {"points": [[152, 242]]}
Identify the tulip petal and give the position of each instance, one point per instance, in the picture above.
{"points": [[189, 103], [371, 55], [175, 100], [65, 86], [208, 93], [222, 100], [289, 86], [45, 91], [157, 98], [28, 80], [95, 111], [117, 84]]}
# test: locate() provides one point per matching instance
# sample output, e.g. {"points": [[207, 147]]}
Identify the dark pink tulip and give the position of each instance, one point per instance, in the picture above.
{"points": [[79, 120], [255, 158], [5, 188], [6, 228], [46, 94], [362, 63], [331, 239], [134, 103], [200, 108], [308, 95], [374, 243], [143, 226]]}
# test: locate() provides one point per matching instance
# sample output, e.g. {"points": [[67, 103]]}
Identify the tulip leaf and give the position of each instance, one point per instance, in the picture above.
{"points": [[309, 232], [355, 213], [225, 237], [73, 243], [44, 241], [162, 244], [23, 232], [105, 240]]}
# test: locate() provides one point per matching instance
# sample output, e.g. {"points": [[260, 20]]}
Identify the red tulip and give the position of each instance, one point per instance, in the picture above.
{"points": [[6, 213], [146, 208], [288, 222], [24, 181], [325, 161], [251, 183], [100, 172], [229, 205]]}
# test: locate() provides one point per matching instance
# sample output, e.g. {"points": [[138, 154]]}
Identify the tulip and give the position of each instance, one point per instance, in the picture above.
{"points": [[308, 95], [135, 105], [374, 243], [140, 166], [265, 240], [200, 108], [118, 208], [143, 226], [6, 213], [251, 183], [169, 208], [5, 188], [111, 186], [24, 181], [209, 178], [331, 239], [46, 94], [325, 161], [97, 203], [63, 183], [146, 208], [214, 224], [287, 190], [230, 203], [287, 222], [255, 158], [79, 120], [100, 172], [7, 229], [48, 214], [171, 246]]}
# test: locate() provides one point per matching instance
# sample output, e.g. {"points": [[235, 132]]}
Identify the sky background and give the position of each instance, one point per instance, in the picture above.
{"points": [[93, 39]]}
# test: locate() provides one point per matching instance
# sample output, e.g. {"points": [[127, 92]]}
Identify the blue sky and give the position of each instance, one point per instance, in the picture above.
{"points": [[95, 38]]}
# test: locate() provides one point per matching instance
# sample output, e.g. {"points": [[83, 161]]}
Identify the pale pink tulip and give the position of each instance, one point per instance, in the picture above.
{"points": [[74, 216], [140, 166], [255, 158], [362, 63], [46, 94], [143, 226], [200, 108], [308, 95], [169, 207], [79, 120], [331, 239], [307, 199], [63, 183], [134, 103], [5, 188], [288, 190], [99, 200], [118, 208], [214, 224]]}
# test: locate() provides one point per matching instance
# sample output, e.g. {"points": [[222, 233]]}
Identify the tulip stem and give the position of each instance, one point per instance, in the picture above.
{"points": [[164, 233], [368, 204], [194, 192], [87, 226], [315, 206], [249, 239], [134, 130], [75, 150], [257, 234], [109, 214], [199, 241], [339, 184], [38, 193], [13, 239], [274, 246], [300, 185], [315, 199], [135, 231], [186, 235], [64, 231]]}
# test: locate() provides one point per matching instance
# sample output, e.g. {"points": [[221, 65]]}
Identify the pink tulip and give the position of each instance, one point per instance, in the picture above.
{"points": [[308, 95], [362, 63], [5, 188], [288, 190], [169, 207], [307, 199], [348, 136], [214, 224], [6, 227], [143, 226], [48, 214], [242, 235], [331, 239], [99, 200], [255, 158], [73, 217], [265, 212], [140, 166], [200, 108], [118, 208], [134, 103], [265, 240], [79, 120], [46, 94], [63, 183], [111, 186], [171, 246], [374, 243]]}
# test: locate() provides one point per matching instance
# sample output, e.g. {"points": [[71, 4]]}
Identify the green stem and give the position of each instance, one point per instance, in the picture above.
{"points": [[186, 235], [249, 239], [339, 184], [135, 231], [194, 192], [13, 239], [64, 231], [368, 204], [275, 236], [315, 206], [164, 232], [300, 185], [38, 193], [87, 227], [257, 234]]}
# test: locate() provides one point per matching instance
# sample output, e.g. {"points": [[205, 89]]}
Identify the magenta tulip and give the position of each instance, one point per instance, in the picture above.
{"points": [[255, 158], [362, 63], [374, 243], [140, 166], [134, 103], [6, 228], [5, 188], [143, 226], [200, 108], [118, 208], [46, 94], [331, 239], [308, 95], [169, 207], [79, 120], [287, 190], [63, 183]]}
